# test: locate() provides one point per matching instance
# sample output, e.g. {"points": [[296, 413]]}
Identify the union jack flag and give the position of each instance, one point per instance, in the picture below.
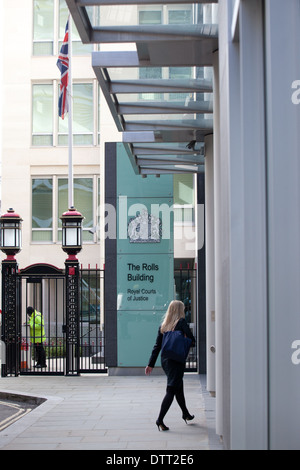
{"points": [[63, 65]]}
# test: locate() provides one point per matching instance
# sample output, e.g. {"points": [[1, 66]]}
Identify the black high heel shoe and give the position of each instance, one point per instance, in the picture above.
{"points": [[187, 417], [161, 426]]}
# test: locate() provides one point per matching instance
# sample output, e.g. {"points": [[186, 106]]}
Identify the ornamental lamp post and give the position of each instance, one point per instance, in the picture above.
{"points": [[72, 233], [10, 244], [10, 234], [72, 244]]}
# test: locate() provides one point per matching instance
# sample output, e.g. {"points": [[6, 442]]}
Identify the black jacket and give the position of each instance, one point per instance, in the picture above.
{"points": [[181, 325]]}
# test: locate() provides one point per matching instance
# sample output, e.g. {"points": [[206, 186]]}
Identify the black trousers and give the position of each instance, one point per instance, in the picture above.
{"points": [[172, 392], [40, 354]]}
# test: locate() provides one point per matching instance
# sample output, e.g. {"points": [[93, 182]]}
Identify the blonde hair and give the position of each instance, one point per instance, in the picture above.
{"points": [[173, 314]]}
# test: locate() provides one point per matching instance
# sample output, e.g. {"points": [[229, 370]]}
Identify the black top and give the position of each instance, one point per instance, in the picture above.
{"points": [[181, 325]]}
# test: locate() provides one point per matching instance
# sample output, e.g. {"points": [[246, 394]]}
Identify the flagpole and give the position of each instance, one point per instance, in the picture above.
{"points": [[70, 115]]}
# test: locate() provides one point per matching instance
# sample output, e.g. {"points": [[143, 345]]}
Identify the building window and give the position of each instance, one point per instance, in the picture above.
{"points": [[180, 16], [180, 73], [83, 117], [85, 127], [150, 17], [42, 220], [43, 27], [150, 73], [42, 115], [50, 201], [49, 23], [83, 201], [165, 15]]}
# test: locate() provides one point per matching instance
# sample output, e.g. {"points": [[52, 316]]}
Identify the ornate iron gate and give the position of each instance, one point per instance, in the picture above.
{"points": [[92, 358], [70, 302], [43, 288]]}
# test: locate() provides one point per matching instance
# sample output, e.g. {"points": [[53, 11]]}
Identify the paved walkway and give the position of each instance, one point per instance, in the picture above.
{"points": [[94, 412]]}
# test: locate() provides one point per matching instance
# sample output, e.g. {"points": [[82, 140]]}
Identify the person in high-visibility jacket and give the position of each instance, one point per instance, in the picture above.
{"points": [[37, 336]]}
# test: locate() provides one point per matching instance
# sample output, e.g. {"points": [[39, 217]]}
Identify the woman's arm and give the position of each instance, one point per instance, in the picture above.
{"points": [[156, 350]]}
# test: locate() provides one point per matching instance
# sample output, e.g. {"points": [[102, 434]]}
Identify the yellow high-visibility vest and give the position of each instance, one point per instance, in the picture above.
{"points": [[37, 331]]}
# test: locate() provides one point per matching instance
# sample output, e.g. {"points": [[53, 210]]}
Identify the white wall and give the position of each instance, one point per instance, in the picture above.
{"points": [[256, 159], [241, 229], [283, 172]]}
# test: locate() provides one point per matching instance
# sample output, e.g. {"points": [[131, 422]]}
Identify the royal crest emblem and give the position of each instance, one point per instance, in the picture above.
{"points": [[145, 228]]}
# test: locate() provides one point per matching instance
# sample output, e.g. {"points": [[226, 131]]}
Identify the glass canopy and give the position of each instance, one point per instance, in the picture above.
{"points": [[154, 66]]}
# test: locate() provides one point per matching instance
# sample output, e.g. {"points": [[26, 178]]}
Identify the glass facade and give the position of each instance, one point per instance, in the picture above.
{"points": [[42, 205], [170, 99], [120, 15]]}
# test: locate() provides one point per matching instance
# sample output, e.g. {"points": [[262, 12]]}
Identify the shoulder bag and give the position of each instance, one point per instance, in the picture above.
{"points": [[175, 345]]}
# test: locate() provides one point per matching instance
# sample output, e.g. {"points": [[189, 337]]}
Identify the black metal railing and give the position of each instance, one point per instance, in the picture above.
{"points": [[186, 291], [44, 288], [92, 354]]}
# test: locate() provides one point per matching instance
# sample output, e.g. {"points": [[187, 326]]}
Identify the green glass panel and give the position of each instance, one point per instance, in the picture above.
{"points": [[183, 189], [145, 265], [136, 337]]}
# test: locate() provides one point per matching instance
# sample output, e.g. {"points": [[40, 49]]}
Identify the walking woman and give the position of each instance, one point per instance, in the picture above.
{"points": [[174, 319]]}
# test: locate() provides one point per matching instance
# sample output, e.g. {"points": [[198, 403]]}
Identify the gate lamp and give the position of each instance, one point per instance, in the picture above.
{"points": [[10, 234], [72, 232]]}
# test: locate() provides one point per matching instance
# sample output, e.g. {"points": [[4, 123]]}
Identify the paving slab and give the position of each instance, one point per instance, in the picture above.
{"points": [[100, 412]]}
